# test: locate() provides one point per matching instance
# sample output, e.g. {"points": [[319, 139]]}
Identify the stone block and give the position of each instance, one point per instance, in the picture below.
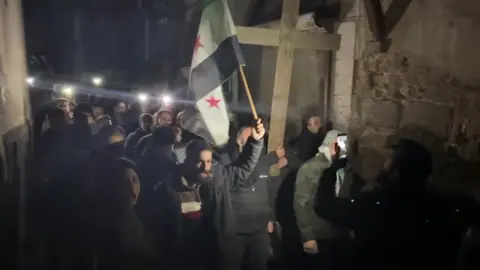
{"points": [[372, 48], [380, 113], [431, 117], [380, 79], [374, 138]]}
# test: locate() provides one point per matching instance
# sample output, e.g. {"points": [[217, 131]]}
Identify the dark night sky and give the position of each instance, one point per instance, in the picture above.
{"points": [[113, 34]]}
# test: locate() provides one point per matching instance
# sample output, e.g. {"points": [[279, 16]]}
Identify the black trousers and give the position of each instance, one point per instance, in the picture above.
{"points": [[247, 251]]}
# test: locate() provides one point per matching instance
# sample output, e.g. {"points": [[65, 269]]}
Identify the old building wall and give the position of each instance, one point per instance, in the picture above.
{"points": [[426, 87], [343, 66]]}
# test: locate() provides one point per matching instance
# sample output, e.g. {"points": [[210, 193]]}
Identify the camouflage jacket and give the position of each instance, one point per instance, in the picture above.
{"points": [[306, 185]]}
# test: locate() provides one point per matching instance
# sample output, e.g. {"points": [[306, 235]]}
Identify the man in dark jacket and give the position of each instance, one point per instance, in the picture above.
{"points": [[156, 161], [195, 216], [146, 127], [313, 133], [251, 203]]}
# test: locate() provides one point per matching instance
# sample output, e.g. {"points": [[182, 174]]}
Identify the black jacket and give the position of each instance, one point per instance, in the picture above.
{"points": [[167, 222], [251, 202], [132, 140], [306, 145]]}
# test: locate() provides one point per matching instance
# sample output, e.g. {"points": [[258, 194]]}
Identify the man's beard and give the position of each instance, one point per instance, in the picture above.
{"points": [[199, 176]]}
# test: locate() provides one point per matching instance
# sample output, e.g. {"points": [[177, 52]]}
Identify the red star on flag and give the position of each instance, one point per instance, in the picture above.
{"points": [[213, 102], [198, 44]]}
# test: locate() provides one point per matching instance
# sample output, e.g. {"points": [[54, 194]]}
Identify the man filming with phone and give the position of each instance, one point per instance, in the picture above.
{"points": [[319, 237]]}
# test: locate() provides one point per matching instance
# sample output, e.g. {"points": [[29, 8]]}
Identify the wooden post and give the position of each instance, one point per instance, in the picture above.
{"points": [[287, 39], [283, 73]]}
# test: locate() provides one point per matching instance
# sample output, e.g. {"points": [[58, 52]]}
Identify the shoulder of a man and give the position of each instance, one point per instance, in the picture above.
{"points": [[315, 164], [219, 177]]}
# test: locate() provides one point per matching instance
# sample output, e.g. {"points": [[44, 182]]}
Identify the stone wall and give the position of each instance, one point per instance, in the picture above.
{"points": [[395, 97], [426, 86]]}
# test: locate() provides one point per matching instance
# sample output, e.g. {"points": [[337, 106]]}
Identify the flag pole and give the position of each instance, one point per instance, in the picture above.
{"points": [[249, 93]]}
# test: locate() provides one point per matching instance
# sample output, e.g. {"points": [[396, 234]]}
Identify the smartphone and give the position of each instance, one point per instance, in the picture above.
{"points": [[342, 144]]}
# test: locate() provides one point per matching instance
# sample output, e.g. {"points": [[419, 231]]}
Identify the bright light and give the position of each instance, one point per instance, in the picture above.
{"points": [[68, 90], [142, 97], [97, 81], [167, 99], [30, 80]]}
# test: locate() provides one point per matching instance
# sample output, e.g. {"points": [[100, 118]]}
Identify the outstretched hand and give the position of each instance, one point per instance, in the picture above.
{"points": [[258, 131]]}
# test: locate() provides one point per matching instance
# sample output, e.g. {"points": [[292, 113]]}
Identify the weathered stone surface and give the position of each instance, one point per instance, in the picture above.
{"points": [[396, 99], [369, 162], [433, 118], [379, 113], [374, 138]]}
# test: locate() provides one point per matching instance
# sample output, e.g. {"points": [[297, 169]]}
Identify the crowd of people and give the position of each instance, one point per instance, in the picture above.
{"points": [[116, 193]]}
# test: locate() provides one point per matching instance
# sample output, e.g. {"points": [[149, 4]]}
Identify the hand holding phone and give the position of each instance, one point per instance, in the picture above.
{"points": [[342, 144]]}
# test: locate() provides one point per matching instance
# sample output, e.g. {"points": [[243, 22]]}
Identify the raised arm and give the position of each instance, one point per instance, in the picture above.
{"points": [[239, 171]]}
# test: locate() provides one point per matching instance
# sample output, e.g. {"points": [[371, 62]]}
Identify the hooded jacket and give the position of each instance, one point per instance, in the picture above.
{"points": [[308, 181]]}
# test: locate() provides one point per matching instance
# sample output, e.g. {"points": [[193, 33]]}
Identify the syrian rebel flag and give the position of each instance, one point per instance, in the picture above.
{"points": [[216, 57]]}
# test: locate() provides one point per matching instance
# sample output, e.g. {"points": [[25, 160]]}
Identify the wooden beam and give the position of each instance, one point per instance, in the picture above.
{"points": [[283, 73], [301, 39], [373, 9], [258, 36], [394, 13], [316, 41]]}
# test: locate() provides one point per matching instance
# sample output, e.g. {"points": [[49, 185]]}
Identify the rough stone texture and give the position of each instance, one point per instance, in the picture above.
{"points": [[394, 98], [380, 113], [434, 118], [431, 72]]}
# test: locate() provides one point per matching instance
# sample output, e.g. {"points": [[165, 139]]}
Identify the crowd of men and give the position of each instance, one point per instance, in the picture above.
{"points": [[116, 193]]}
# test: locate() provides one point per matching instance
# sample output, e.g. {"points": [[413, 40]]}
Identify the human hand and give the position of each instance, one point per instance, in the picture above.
{"points": [[270, 227], [280, 151], [258, 131], [282, 162], [310, 247]]}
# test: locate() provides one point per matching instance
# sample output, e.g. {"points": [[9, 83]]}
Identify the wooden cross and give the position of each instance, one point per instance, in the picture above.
{"points": [[287, 38]]}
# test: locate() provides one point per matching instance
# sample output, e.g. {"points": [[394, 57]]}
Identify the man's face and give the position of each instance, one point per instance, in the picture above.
{"points": [[314, 124], [90, 120], [146, 125], [164, 119], [98, 111], [203, 164], [180, 119], [64, 105], [135, 184], [121, 108]]}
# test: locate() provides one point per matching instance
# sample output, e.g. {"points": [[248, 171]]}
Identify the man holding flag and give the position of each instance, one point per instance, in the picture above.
{"points": [[195, 216]]}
